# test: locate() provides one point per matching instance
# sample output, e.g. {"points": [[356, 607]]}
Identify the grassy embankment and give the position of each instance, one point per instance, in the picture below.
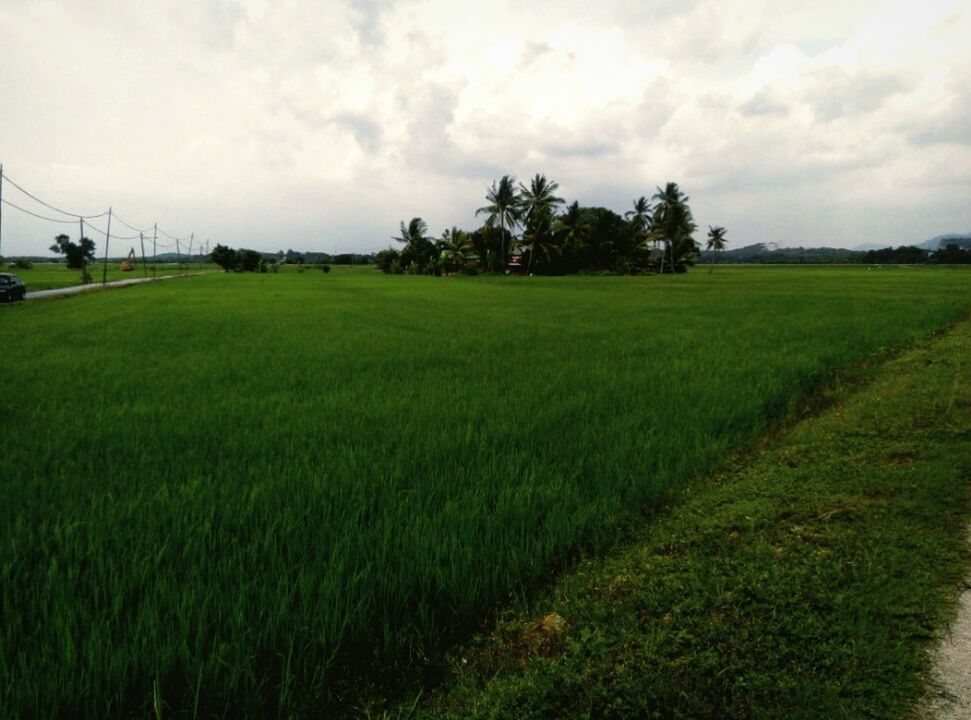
{"points": [[805, 584], [235, 493]]}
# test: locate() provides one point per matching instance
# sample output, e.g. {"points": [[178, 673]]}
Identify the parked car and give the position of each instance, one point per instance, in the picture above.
{"points": [[11, 288]]}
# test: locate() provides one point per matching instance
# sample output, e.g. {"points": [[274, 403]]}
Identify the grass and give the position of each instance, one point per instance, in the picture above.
{"points": [[237, 493], [806, 584], [48, 276]]}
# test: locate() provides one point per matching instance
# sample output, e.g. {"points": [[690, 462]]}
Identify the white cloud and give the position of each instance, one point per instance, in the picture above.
{"points": [[321, 124]]}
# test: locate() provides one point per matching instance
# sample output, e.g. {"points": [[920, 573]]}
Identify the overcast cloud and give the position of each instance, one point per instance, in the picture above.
{"points": [[321, 125]]}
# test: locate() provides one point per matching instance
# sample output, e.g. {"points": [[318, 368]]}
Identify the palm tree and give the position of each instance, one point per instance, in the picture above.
{"points": [[418, 249], [538, 199], [572, 228], [456, 245], [716, 239], [504, 207], [413, 232], [538, 206], [640, 216], [673, 223]]}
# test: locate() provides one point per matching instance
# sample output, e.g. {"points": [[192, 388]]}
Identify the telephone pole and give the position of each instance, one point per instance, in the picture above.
{"points": [[104, 272], [141, 239], [1, 208]]}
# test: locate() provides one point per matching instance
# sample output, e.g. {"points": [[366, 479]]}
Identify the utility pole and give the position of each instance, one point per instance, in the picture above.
{"points": [[154, 240], [104, 272], [192, 238], [141, 239], [84, 259], [1, 208], [178, 253]]}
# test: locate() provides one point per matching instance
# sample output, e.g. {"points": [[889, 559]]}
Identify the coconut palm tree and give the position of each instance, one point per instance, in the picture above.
{"points": [[539, 239], [415, 231], [538, 207], [538, 200], [504, 208], [571, 229], [673, 223], [716, 239], [640, 216], [456, 246], [418, 249]]}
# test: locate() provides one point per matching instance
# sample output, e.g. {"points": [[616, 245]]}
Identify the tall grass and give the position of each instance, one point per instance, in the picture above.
{"points": [[220, 496]]}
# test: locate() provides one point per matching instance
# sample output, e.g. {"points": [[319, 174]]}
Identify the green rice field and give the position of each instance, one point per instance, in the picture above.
{"points": [[238, 494], [48, 276]]}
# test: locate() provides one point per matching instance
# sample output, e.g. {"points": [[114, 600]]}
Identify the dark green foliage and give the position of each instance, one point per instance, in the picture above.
{"points": [[22, 264], [418, 255], [77, 255], [674, 225], [591, 240], [904, 255], [252, 261], [225, 257], [239, 260], [505, 209], [951, 254], [388, 261]]}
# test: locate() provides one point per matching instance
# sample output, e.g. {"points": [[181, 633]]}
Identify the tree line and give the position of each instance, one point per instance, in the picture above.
{"points": [[529, 229], [952, 253]]}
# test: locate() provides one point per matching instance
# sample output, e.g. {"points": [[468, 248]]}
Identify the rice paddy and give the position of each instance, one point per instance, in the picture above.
{"points": [[237, 493]]}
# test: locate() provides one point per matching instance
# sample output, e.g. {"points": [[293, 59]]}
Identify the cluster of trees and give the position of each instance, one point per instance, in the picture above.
{"points": [[295, 257], [531, 229], [239, 260], [254, 261], [948, 254], [77, 255]]}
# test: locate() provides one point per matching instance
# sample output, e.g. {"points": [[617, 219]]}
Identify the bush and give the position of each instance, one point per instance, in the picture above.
{"points": [[22, 264], [388, 261], [325, 268]]}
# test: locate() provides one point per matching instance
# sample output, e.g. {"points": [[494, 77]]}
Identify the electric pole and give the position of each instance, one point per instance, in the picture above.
{"points": [[1, 208], [141, 239], [104, 272]]}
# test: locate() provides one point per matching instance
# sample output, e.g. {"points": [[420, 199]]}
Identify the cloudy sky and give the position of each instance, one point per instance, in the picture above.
{"points": [[319, 125]]}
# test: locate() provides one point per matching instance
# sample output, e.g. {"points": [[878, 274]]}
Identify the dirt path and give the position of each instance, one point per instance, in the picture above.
{"points": [[76, 289], [951, 698]]}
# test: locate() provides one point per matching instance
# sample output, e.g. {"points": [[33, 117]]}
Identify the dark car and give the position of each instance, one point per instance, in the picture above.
{"points": [[11, 288]]}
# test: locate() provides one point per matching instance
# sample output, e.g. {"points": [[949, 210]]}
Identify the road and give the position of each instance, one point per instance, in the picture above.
{"points": [[75, 289]]}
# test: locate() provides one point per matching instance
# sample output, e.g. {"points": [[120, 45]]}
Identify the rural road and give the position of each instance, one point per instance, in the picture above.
{"points": [[75, 289]]}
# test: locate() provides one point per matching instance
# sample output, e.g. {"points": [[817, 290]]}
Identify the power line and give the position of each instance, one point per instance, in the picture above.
{"points": [[116, 237], [172, 237], [48, 205], [17, 207], [130, 227], [75, 216]]}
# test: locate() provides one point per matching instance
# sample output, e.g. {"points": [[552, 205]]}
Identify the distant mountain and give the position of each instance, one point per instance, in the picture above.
{"points": [[959, 239], [869, 246]]}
